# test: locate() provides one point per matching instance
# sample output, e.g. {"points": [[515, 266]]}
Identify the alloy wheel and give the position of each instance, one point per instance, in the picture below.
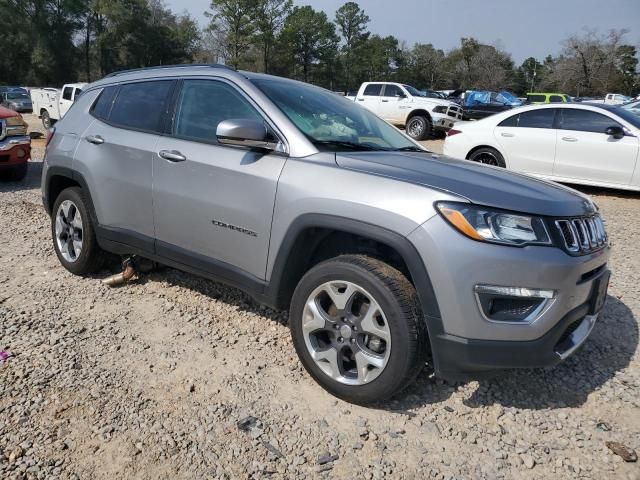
{"points": [[415, 128], [346, 332], [69, 231]]}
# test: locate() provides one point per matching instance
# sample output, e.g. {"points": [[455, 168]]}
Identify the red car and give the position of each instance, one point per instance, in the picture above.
{"points": [[15, 145]]}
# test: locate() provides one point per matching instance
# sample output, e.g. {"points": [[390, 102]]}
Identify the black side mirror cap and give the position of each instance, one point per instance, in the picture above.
{"points": [[615, 131]]}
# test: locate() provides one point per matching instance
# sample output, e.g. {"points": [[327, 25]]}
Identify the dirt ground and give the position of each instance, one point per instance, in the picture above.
{"points": [[176, 377]]}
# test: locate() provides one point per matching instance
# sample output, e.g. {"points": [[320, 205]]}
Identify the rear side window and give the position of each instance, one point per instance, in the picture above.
{"points": [[102, 107], [141, 105], [556, 99], [67, 93], [373, 90], [585, 121], [203, 104], [542, 118]]}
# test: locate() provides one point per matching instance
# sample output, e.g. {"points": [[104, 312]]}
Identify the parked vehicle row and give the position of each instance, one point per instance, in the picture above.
{"points": [[384, 254], [574, 143], [51, 104], [407, 107]]}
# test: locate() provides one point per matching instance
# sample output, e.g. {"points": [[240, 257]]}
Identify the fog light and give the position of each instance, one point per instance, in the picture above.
{"points": [[20, 153], [512, 304]]}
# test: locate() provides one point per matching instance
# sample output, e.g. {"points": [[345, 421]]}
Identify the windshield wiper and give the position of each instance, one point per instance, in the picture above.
{"points": [[349, 145], [410, 149]]}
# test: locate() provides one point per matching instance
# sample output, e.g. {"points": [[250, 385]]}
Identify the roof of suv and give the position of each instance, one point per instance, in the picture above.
{"points": [[179, 70]]}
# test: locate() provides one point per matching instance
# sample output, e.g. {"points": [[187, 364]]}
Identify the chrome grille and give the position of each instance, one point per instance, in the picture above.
{"points": [[455, 111], [584, 234]]}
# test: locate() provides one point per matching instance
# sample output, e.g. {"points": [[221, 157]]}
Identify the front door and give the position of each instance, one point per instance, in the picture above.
{"points": [[213, 203], [584, 151]]}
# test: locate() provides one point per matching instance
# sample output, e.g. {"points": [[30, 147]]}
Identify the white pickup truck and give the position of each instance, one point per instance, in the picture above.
{"points": [[612, 99], [50, 104], [404, 106]]}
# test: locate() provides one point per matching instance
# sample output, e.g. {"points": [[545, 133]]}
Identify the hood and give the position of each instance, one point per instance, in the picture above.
{"points": [[432, 101], [480, 184], [7, 113]]}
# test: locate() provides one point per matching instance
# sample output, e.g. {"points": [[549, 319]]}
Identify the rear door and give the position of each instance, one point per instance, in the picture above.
{"points": [[115, 155], [214, 204], [586, 152], [370, 97], [528, 141]]}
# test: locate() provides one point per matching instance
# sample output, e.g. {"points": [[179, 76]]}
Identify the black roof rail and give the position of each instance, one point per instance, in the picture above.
{"points": [[158, 67]]}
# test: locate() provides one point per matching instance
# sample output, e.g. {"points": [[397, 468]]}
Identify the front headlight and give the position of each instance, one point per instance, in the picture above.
{"points": [[495, 226], [440, 109], [16, 121]]}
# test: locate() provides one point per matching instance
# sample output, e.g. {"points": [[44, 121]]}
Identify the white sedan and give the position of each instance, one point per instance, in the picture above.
{"points": [[573, 143]]}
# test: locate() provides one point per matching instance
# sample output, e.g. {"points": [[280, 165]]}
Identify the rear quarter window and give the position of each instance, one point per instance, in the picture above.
{"points": [[102, 107]]}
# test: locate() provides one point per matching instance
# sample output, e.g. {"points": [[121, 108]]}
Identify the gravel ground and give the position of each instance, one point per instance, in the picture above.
{"points": [[179, 377]]}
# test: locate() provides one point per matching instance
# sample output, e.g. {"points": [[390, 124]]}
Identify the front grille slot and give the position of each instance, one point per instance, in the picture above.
{"points": [[582, 235]]}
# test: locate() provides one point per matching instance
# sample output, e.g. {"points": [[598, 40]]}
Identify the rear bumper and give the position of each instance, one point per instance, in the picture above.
{"points": [[14, 151]]}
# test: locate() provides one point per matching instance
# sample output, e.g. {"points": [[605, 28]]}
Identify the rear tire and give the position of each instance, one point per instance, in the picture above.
{"points": [[47, 121], [488, 156], [73, 233], [19, 172], [369, 345], [419, 127]]}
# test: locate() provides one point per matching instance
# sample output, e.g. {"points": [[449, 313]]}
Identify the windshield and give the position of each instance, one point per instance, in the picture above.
{"points": [[330, 121], [414, 91], [631, 116], [16, 96]]}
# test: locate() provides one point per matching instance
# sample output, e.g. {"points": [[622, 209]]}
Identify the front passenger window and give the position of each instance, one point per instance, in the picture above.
{"points": [[203, 104]]}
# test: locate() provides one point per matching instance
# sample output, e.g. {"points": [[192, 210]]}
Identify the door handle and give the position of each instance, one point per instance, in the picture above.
{"points": [[505, 134], [385, 101], [361, 99], [570, 139], [172, 155], [95, 139]]}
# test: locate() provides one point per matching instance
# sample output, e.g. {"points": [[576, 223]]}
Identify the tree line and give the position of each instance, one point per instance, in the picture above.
{"points": [[50, 42]]}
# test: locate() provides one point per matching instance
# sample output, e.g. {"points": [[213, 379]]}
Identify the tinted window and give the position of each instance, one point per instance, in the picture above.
{"points": [[77, 94], [373, 90], [585, 121], [140, 105], [537, 98], [67, 93], [512, 121], [203, 104], [102, 107], [392, 91], [556, 99], [542, 118]]}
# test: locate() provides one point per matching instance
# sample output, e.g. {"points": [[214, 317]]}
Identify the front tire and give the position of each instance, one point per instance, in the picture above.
{"points": [[357, 327], [419, 127], [73, 233], [488, 156]]}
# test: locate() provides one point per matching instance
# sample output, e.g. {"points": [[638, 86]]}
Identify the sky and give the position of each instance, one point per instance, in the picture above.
{"points": [[525, 28]]}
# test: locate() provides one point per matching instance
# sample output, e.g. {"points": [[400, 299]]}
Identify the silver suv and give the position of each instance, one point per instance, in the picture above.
{"points": [[387, 256]]}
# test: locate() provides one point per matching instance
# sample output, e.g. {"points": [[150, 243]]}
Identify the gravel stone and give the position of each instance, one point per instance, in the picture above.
{"points": [[150, 381]]}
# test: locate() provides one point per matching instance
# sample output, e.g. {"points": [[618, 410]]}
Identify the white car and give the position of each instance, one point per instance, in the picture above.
{"points": [[572, 143]]}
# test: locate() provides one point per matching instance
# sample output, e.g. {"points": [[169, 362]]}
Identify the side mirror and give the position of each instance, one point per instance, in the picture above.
{"points": [[615, 131], [245, 132]]}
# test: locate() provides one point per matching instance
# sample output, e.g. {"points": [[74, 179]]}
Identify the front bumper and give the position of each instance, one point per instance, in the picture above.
{"points": [[463, 340], [14, 151]]}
